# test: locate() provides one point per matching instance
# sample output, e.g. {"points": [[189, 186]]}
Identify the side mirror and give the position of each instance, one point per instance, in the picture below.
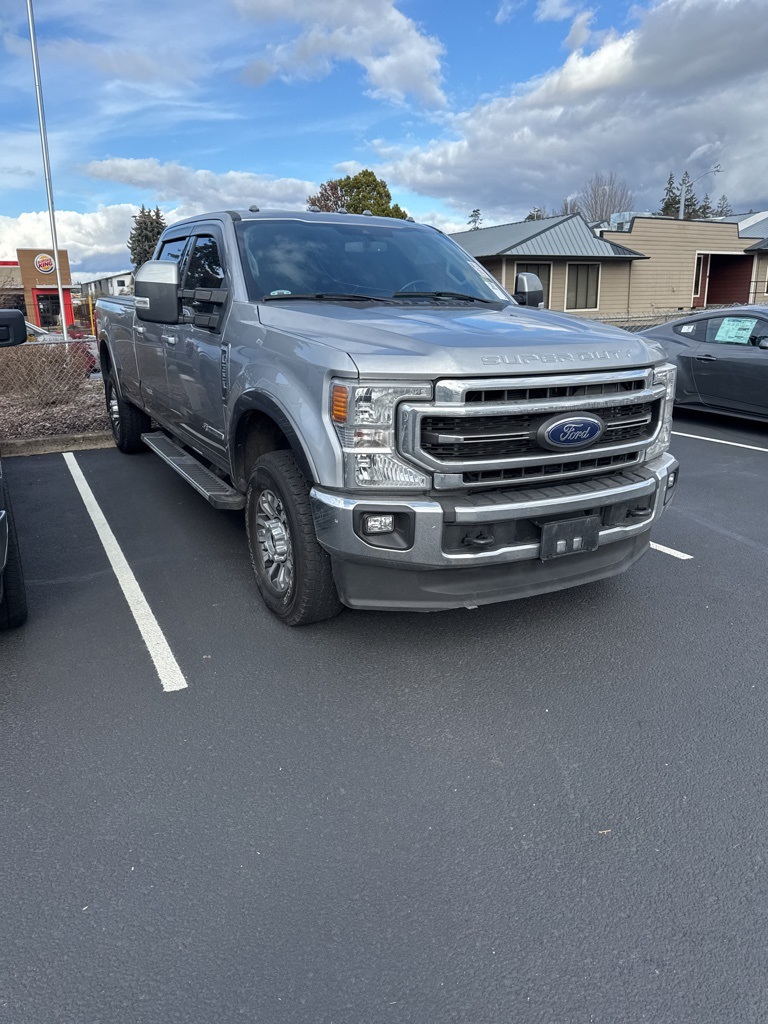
{"points": [[13, 328], [529, 291], [762, 343], [157, 292]]}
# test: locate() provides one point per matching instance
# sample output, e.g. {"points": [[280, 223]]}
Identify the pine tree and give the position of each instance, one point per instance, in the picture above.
{"points": [[706, 209], [723, 208], [670, 202], [475, 219], [148, 225]]}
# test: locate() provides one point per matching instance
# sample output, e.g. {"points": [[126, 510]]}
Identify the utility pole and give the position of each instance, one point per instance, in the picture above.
{"points": [[46, 165], [713, 170]]}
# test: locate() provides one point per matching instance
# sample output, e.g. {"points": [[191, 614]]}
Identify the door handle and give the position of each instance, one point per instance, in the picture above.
{"points": [[169, 339], [706, 359], [140, 330]]}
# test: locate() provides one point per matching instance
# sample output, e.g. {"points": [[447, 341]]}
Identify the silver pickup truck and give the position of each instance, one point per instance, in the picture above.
{"points": [[401, 432]]}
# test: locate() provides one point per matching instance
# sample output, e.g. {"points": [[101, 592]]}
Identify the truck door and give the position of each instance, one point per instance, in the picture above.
{"points": [[193, 362], [151, 341]]}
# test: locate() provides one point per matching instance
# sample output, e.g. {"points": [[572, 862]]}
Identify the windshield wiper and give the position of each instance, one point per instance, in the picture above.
{"points": [[326, 297], [442, 295]]}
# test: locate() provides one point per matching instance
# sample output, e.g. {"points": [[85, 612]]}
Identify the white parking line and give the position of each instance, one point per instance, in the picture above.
{"points": [[168, 670], [716, 440], [671, 551]]}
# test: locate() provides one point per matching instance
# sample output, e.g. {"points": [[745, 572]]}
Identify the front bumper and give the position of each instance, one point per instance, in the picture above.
{"points": [[445, 566]]}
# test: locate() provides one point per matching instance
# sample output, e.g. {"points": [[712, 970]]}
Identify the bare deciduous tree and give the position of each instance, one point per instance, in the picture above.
{"points": [[604, 194]]}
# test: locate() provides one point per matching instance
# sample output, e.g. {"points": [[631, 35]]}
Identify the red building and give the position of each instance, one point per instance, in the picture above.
{"points": [[29, 283]]}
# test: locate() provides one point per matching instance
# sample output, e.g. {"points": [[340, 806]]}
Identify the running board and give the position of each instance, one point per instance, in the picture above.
{"points": [[215, 490]]}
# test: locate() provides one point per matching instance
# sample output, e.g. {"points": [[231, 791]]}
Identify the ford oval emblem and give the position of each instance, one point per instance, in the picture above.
{"points": [[563, 433]]}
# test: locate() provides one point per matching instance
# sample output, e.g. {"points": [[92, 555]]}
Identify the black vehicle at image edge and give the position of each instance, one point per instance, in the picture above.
{"points": [[13, 600]]}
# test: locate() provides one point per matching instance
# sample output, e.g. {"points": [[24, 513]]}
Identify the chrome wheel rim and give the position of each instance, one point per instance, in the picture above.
{"points": [[113, 409], [273, 538]]}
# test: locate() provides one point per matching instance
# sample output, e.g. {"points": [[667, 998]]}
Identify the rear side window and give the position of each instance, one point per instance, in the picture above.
{"points": [[695, 330], [172, 250]]}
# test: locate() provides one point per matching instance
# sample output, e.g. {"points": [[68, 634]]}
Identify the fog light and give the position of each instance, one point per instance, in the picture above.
{"points": [[378, 524], [671, 481]]}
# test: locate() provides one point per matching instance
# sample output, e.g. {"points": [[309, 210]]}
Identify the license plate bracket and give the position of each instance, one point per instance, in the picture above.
{"points": [[569, 537]]}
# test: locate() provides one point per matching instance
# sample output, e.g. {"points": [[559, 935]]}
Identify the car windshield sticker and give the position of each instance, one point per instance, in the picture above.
{"points": [[688, 328], [735, 330]]}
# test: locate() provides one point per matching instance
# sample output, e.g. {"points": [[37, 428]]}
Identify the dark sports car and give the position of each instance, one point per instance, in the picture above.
{"points": [[13, 600], [722, 359]]}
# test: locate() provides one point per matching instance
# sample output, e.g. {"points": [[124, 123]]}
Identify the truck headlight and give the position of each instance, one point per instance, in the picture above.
{"points": [[363, 415], [666, 375]]}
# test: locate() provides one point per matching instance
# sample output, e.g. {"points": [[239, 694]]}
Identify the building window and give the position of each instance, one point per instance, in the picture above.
{"points": [[697, 276], [121, 283], [583, 286], [542, 270]]}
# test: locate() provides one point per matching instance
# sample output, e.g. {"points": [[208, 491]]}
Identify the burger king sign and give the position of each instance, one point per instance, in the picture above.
{"points": [[44, 263]]}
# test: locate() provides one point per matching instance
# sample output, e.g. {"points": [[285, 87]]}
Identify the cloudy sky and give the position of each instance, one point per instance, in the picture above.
{"points": [[497, 104]]}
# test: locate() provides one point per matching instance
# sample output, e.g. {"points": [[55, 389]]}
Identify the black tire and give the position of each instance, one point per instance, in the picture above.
{"points": [[13, 607], [127, 422], [293, 572]]}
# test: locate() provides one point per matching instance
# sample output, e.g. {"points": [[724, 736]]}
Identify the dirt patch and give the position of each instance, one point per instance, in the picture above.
{"points": [[81, 411]]}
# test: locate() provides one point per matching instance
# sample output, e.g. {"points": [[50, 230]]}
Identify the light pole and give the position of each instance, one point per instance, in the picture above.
{"points": [[46, 165], [713, 170]]}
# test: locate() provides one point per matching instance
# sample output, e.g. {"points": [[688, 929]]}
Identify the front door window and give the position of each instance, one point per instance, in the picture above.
{"points": [[48, 311]]}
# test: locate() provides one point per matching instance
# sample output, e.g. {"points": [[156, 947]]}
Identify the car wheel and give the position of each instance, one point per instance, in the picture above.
{"points": [[127, 422], [13, 607], [293, 572]]}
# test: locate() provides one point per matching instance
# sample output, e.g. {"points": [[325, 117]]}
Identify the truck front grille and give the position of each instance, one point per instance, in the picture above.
{"points": [[481, 432], [498, 437]]}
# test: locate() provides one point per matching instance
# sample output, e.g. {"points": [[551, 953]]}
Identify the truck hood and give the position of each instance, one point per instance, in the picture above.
{"points": [[408, 341]]}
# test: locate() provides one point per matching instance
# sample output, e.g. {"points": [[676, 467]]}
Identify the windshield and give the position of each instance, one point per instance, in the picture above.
{"points": [[283, 258]]}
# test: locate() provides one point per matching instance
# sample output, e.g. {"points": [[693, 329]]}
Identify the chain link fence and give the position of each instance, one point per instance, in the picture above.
{"points": [[642, 321], [50, 387]]}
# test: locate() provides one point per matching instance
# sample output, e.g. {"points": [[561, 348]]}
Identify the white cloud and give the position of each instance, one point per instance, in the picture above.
{"points": [[201, 190], [581, 30], [554, 10], [398, 58], [639, 104], [97, 238], [506, 9]]}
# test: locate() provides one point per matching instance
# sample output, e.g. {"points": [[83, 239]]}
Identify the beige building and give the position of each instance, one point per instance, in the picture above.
{"points": [[651, 264], [695, 263], [581, 272]]}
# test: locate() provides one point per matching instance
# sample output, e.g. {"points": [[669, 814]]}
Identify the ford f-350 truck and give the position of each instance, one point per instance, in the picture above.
{"points": [[401, 432]]}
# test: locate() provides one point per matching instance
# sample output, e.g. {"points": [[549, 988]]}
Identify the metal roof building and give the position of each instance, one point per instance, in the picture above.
{"points": [[580, 271], [568, 237]]}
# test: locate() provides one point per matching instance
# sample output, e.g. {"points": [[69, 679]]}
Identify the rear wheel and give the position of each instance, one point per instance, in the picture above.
{"points": [[293, 572], [127, 422], [13, 607]]}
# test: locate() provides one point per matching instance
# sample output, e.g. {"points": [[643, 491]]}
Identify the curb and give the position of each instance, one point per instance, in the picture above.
{"points": [[56, 443]]}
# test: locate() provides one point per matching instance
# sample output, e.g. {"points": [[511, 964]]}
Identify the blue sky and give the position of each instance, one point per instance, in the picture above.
{"points": [[497, 104]]}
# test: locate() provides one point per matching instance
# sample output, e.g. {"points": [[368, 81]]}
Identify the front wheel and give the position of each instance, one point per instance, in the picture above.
{"points": [[13, 607], [127, 422], [293, 572]]}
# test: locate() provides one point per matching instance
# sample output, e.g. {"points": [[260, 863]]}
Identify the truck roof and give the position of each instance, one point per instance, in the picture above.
{"points": [[305, 215]]}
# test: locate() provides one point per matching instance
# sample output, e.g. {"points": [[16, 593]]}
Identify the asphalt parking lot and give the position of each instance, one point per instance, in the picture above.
{"points": [[552, 811]]}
